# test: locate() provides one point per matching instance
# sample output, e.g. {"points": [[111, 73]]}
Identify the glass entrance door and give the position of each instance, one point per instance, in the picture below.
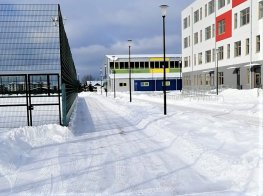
{"points": [[257, 80]]}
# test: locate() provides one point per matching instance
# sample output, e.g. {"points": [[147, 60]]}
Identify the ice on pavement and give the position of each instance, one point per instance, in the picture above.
{"points": [[114, 147]]}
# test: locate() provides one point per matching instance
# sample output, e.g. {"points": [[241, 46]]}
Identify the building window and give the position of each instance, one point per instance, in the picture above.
{"points": [[244, 16], [189, 21], [235, 21], [258, 43], [146, 64], [221, 3], [221, 27], [260, 9], [213, 30], [211, 7], [238, 48], [185, 61], [185, 42], [213, 56], [122, 84], [205, 10], [207, 79], [200, 35], [196, 16], [195, 59], [189, 41], [247, 76], [207, 33], [201, 13], [208, 56], [228, 51], [220, 78], [221, 53], [196, 38], [189, 62], [201, 80], [200, 58], [247, 46], [167, 83], [185, 23], [228, 1], [144, 84]]}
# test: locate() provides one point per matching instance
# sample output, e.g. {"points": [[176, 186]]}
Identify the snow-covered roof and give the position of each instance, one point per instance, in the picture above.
{"points": [[93, 83], [144, 56]]}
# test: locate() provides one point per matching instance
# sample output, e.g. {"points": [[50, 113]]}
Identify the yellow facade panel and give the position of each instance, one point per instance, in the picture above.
{"points": [[167, 70], [159, 59]]}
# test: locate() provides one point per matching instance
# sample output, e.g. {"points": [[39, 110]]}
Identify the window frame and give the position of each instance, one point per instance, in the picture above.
{"points": [[221, 27], [208, 56], [260, 10], [221, 4], [246, 14], [200, 58], [228, 51], [220, 54], [144, 84], [247, 46], [122, 84], [235, 20], [237, 49], [211, 7], [196, 16], [220, 78], [257, 43], [208, 33], [196, 38]]}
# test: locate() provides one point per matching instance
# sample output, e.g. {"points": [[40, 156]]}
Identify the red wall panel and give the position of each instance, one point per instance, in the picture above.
{"points": [[237, 2], [228, 26]]}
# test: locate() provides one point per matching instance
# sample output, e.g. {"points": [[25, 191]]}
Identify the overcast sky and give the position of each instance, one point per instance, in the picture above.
{"points": [[99, 27]]}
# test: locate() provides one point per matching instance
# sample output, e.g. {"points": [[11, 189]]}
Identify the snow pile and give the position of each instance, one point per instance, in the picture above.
{"points": [[16, 144]]}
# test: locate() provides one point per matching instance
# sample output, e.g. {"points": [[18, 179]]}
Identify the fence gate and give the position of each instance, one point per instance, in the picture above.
{"points": [[29, 100]]}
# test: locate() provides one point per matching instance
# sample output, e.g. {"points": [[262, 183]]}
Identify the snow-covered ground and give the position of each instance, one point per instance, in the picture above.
{"points": [[114, 147]]}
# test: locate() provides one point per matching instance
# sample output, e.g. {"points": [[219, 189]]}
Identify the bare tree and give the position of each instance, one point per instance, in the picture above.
{"points": [[87, 78]]}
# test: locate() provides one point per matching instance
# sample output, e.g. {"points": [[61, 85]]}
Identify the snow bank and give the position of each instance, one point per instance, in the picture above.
{"points": [[16, 144]]}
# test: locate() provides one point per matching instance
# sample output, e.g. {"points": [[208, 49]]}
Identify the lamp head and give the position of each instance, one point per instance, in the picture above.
{"points": [[129, 42], [164, 9]]}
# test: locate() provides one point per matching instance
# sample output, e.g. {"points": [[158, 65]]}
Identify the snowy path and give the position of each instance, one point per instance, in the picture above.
{"points": [[118, 149]]}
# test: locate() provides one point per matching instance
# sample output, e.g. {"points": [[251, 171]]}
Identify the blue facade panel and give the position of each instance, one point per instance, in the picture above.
{"points": [[156, 85], [138, 85]]}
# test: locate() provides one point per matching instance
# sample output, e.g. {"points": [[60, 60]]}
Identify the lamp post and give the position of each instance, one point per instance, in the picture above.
{"points": [[180, 76], [152, 81], [129, 43], [164, 7], [114, 83], [217, 51], [106, 79], [100, 81], [113, 58]]}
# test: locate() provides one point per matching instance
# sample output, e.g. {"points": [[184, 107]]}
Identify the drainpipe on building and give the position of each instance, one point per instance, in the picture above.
{"points": [[215, 54], [192, 35], [250, 45]]}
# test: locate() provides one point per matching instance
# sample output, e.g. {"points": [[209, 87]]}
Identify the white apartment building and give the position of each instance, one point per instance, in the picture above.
{"points": [[226, 34]]}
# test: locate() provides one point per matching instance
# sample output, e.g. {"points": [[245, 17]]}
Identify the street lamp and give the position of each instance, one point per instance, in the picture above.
{"points": [[129, 44], [180, 76], [113, 58], [164, 7], [106, 79], [100, 81], [217, 51]]}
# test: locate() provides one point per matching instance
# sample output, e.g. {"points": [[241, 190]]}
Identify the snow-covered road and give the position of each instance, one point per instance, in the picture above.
{"points": [[120, 148]]}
